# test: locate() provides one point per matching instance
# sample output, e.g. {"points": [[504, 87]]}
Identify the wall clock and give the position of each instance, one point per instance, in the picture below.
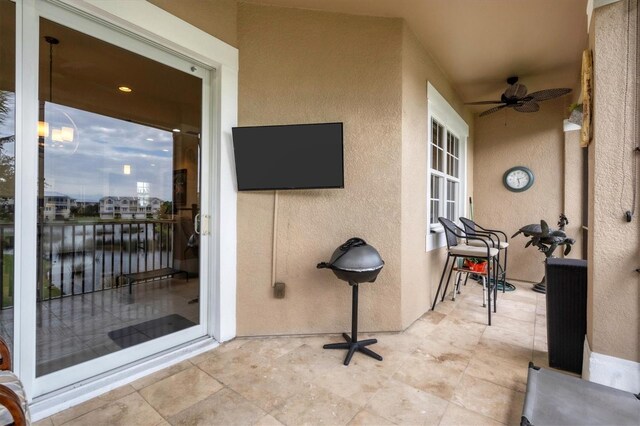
{"points": [[518, 179]]}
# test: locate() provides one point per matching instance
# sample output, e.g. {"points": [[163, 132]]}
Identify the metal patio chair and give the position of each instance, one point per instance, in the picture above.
{"points": [[456, 249], [499, 240]]}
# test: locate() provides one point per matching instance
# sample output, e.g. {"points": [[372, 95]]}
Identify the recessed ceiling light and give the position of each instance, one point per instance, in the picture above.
{"points": [[150, 139], [176, 130], [125, 89]]}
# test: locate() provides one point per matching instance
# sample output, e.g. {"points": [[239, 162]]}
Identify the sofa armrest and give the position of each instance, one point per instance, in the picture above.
{"points": [[10, 400]]}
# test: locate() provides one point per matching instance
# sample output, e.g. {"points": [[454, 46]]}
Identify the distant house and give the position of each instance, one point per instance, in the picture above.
{"points": [[57, 205], [129, 207]]}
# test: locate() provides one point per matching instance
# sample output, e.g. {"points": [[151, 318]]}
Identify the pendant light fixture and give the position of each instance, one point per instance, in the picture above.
{"points": [[58, 133]]}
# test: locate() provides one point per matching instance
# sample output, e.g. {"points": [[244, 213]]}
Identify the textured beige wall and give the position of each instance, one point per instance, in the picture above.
{"points": [[306, 66], [216, 17], [420, 270], [573, 190], [614, 306], [507, 139]]}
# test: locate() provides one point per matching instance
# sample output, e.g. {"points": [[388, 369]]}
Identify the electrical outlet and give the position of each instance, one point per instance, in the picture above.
{"points": [[278, 290]]}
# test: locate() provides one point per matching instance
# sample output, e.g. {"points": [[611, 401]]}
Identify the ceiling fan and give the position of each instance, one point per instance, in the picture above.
{"points": [[516, 97]]}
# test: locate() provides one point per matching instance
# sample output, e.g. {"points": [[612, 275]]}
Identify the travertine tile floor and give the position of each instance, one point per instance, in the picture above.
{"points": [[448, 368]]}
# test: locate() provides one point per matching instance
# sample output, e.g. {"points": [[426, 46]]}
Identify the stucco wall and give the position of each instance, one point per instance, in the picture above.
{"points": [[420, 270], [614, 306], [216, 17], [506, 139], [306, 66]]}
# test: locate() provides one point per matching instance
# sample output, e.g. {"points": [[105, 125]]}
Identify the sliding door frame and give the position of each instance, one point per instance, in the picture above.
{"points": [[134, 25]]}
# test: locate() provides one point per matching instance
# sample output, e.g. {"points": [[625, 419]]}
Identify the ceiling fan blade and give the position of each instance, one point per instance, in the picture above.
{"points": [[546, 94], [527, 107], [483, 103], [492, 110], [516, 90]]}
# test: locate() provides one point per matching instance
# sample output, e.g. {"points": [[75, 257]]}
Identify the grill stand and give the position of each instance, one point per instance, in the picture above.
{"points": [[352, 343]]}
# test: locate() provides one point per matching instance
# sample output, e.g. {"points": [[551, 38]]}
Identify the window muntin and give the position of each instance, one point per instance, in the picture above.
{"points": [[437, 146], [445, 174], [453, 158], [436, 183]]}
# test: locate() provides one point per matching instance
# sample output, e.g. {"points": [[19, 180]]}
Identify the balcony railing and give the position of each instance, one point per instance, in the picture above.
{"points": [[85, 257]]}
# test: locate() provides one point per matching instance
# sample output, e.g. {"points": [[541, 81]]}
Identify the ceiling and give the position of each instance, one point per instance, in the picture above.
{"points": [[87, 72], [479, 43]]}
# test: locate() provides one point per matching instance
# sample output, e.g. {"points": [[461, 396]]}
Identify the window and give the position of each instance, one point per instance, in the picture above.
{"points": [[446, 189], [444, 174]]}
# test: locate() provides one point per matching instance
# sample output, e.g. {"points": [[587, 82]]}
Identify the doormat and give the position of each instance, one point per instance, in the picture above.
{"points": [[149, 330]]}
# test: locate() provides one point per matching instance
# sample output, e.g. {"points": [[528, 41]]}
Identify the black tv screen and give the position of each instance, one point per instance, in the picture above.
{"points": [[299, 156]]}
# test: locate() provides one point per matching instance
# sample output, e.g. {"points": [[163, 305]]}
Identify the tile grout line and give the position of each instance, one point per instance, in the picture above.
{"points": [[100, 407]]}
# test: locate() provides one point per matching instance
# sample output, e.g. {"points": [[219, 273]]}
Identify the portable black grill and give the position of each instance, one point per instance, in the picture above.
{"points": [[356, 262]]}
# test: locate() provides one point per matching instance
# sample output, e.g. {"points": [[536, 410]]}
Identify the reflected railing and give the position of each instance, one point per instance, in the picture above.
{"points": [[79, 258]]}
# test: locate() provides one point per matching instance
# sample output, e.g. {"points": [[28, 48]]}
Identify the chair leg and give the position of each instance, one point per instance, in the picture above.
{"points": [[456, 286], [495, 286], [484, 291], [446, 286], [489, 290], [490, 274], [506, 250], [444, 270]]}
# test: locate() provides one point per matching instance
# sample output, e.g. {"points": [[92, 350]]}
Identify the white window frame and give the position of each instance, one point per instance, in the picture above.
{"points": [[438, 109]]}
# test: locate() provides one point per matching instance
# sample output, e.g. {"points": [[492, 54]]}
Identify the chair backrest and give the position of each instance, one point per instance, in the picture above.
{"points": [[469, 226], [451, 232]]}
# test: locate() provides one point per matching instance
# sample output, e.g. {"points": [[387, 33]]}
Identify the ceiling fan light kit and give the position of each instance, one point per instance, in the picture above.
{"points": [[516, 97]]}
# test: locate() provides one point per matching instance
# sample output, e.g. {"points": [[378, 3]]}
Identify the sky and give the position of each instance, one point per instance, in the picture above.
{"points": [[92, 166]]}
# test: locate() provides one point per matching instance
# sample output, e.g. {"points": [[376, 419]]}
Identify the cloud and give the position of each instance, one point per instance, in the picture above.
{"points": [[92, 166]]}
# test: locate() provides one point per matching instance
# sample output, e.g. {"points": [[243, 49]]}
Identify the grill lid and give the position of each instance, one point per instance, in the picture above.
{"points": [[355, 255]]}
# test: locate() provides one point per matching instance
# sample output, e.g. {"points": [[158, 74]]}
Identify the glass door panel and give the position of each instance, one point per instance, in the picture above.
{"points": [[7, 165], [118, 196]]}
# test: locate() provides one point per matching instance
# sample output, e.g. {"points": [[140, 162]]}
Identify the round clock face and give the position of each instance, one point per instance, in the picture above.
{"points": [[518, 179]]}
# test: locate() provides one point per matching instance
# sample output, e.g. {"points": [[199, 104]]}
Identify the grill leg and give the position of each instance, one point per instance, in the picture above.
{"points": [[352, 344]]}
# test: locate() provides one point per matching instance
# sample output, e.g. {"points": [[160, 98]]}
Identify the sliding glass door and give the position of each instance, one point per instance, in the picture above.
{"points": [[122, 131], [7, 166]]}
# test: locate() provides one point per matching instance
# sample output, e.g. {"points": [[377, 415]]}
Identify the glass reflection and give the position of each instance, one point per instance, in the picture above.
{"points": [[7, 166], [118, 191]]}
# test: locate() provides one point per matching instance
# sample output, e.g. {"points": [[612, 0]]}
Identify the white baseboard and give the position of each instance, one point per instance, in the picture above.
{"points": [[610, 371]]}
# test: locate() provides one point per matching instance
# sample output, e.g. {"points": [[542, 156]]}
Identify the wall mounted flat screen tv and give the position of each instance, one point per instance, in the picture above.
{"points": [[299, 156]]}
